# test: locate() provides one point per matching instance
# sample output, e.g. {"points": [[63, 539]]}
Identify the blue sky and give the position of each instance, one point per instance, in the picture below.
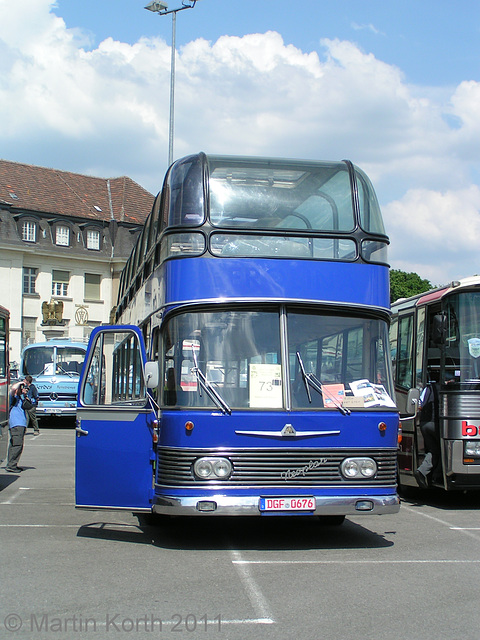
{"points": [[433, 42], [393, 86]]}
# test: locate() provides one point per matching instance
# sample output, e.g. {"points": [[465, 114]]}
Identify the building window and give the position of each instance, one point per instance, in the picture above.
{"points": [[29, 279], [93, 239], [60, 283], [29, 331], [29, 231], [62, 236], [92, 286]]}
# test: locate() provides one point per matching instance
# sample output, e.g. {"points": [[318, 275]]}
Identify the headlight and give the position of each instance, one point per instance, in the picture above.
{"points": [[358, 468], [472, 448], [208, 468]]}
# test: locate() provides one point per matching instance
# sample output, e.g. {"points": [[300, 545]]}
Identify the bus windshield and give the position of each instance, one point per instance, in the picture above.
{"points": [[282, 198], [462, 339], [240, 354], [53, 360]]}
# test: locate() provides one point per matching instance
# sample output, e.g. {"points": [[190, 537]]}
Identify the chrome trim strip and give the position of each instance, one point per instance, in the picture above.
{"points": [[249, 505], [89, 507], [279, 434]]}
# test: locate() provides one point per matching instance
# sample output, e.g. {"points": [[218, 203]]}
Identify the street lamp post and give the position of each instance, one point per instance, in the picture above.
{"points": [[157, 6]]}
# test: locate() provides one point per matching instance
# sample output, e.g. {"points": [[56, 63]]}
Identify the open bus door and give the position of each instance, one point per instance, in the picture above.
{"points": [[115, 423]]}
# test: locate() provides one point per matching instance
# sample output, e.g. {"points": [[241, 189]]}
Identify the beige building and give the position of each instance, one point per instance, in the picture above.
{"points": [[64, 239]]}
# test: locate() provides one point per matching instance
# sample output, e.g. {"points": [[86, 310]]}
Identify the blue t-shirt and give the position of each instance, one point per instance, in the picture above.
{"points": [[18, 417]]}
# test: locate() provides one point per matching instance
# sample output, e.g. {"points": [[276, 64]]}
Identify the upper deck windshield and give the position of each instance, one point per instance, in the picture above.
{"points": [[53, 360], [289, 195], [267, 193], [281, 197], [239, 354]]}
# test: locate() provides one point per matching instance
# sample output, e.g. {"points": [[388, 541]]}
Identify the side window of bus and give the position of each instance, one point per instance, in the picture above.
{"points": [[3, 358], [393, 344], [115, 371], [404, 377]]}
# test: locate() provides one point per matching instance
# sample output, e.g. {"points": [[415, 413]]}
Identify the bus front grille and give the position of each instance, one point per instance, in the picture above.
{"points": [[274, 467]]}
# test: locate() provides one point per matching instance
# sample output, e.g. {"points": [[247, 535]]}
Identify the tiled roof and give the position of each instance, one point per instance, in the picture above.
{"points": [[31, 188]]}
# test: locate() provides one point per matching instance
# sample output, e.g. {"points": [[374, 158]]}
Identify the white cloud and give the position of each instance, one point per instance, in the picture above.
{"points": [[436, 234], [367, 27], [104, 110]]}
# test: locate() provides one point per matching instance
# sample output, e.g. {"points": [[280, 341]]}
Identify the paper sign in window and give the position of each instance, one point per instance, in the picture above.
{"points": [[266, 386]]}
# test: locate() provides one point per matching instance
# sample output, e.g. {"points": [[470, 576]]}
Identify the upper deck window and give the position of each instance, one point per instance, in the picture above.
{"points": [[273, 195], [185, 193], [370, 215]]}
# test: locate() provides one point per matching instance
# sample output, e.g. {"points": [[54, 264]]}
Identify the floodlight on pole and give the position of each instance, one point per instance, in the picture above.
{"points": [[160, 7]]}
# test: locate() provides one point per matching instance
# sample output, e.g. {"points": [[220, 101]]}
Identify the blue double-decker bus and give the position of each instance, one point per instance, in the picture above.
{"points": [[248, 372]]}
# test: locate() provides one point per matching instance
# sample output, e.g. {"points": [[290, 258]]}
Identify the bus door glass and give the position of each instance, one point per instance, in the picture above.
{"points": [[114, 446]]}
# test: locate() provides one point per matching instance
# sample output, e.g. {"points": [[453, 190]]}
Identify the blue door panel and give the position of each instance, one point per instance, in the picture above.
{"points": [[113, 462], [114, 444]]}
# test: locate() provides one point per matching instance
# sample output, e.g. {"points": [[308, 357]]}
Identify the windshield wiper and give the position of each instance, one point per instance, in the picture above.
{"points": [[311, 380], [207, 387]]}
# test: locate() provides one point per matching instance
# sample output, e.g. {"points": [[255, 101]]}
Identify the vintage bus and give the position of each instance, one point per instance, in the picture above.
{"points": [[4, 382], [249, 372], [435, 342], [55, 366]]}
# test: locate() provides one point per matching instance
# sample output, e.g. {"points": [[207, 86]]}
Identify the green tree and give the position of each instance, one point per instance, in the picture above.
{"points": [[404, 285]]}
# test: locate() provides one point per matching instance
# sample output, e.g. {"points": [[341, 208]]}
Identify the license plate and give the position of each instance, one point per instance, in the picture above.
{"points": [[287, 504]]}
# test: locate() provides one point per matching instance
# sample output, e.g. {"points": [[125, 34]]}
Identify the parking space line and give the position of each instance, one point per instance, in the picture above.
{"points": [[254, 593], [42, 526], [466, 530], [15, 495], [245, 562]]}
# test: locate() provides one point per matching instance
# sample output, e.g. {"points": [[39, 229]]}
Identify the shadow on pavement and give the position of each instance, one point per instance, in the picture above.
{"points": [[261, 534]]}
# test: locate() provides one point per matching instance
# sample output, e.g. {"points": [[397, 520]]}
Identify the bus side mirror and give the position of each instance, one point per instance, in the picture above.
{"points": [[151, 374], [413, 401]]}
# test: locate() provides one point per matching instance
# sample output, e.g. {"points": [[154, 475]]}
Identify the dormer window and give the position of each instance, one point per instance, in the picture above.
{"points": [[29, 231], [93, 239], [62, 235]]}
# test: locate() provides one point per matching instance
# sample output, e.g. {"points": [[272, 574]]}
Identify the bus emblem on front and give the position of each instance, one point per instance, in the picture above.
{"points": [[288, 430]]}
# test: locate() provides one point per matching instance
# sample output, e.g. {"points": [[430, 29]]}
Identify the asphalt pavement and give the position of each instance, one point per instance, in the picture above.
{"points": [[67, 573]]}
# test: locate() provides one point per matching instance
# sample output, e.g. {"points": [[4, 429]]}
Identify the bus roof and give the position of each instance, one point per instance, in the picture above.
{"points": [[59, 342], [437, 293]]}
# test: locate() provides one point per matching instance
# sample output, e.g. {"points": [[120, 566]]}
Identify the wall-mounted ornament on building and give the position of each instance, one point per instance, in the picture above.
{"points": [[53, 313], [81, 315]]}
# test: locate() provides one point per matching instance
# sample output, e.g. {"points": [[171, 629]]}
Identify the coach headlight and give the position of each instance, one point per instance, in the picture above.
{"points": [[212, 468], [353, 468], [472, 448]]}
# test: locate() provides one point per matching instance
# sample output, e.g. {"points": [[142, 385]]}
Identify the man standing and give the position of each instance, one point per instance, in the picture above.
{"points": [[32, 413], [17, 425]]}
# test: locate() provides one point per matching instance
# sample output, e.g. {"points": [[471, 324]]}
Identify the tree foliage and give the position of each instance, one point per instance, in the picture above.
{"points": [[404, 285]]}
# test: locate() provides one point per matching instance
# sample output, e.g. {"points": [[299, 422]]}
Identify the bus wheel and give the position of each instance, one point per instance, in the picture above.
{"points": [[331, 521]]}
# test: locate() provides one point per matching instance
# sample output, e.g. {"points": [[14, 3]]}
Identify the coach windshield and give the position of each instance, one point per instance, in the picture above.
{"points": [[241, 356]]}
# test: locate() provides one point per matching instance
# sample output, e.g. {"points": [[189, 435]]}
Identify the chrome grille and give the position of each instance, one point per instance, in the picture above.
{"points": [[460, 404], [274, 467], [60, 397]]}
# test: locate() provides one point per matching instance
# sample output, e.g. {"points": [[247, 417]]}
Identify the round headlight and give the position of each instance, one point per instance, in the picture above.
{"points": [[203, 468], [368, 468], [358, 468], [211, 468], [222, 468], [350, 469]]}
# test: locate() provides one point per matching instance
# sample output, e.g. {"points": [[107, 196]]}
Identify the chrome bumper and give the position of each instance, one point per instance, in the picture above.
{"points": [[60, 411], [250, 505]]}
